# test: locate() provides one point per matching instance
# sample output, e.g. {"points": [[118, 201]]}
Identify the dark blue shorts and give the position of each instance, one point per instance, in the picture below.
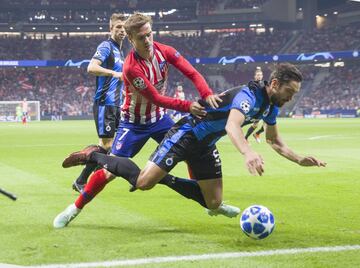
{"points": [[106, 120], [130, 137], [180, 144]]}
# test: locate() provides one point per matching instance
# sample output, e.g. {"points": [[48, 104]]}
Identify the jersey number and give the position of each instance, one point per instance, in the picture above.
{"points": [[126, 130]]}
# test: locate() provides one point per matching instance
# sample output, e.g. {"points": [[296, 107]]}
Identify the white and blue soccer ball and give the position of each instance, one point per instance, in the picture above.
{"points": [[257, 222]]}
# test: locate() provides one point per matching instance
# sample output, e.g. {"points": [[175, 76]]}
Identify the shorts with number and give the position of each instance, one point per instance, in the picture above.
{"points": [[180, 144], [130, 137], [106, 120]]}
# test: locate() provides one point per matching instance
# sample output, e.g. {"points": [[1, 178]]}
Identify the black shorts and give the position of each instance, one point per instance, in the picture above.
{"points": [[106, 120], [180, 144]]}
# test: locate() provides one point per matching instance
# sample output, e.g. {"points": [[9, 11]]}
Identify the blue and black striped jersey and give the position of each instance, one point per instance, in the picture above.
{"points": [[109, 89], [251, 100]]}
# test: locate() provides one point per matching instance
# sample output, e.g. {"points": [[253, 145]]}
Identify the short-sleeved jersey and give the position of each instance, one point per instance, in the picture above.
{"points": [[251, 100], [109, 89], [146, 81]]}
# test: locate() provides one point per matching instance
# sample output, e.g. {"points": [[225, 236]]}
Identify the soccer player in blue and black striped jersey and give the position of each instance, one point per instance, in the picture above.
{"points": [[193, 140], [107, 66]]}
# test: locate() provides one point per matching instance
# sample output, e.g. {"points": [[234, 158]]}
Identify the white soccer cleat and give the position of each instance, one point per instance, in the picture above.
{"points": [[226, 210], [65, 217]]}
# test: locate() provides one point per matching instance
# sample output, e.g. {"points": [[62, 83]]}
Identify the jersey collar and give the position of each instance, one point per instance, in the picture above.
{"points": [[114, 42]]}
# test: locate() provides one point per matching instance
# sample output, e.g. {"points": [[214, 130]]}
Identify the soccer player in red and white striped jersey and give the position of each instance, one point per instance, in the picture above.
{"points": [[143, 116]]}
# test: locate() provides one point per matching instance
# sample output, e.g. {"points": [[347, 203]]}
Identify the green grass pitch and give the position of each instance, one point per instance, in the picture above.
{"points": [[313, 207]]}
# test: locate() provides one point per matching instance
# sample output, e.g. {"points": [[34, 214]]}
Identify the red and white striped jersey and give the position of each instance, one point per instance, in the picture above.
{"points": [[145, 85]]}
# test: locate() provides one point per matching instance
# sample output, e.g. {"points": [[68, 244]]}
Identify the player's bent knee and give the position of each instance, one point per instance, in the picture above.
{"points": [[144, 184], [109, 176]]}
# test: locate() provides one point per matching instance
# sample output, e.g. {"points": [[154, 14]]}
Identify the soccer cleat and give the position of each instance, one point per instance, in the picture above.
{"points": [[65, 217], [226, 210], [257, 138], [78, 187], [81, 157]]}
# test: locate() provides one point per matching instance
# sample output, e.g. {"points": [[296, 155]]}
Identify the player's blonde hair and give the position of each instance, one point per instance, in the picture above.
{"points": [[135, 22], [116, 17], [258, 69]]}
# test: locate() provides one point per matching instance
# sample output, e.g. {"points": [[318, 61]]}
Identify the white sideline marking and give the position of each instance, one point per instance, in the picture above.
{"points": [[225, 255], [321, 137]]}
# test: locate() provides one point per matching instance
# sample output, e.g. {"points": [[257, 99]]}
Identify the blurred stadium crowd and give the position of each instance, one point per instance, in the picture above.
{"points": [[69, 91]]}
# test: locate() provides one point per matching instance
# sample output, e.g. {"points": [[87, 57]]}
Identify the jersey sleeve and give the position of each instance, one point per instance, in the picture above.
{"points": [[135, 77], [244, 101], [270, 119], [176, 59], [102, 51]]}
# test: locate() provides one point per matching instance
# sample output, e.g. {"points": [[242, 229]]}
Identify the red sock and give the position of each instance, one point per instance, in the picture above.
{"points": [[96, 183]]}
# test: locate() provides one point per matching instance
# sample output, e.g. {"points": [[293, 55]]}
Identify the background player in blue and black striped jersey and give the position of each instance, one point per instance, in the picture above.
{"points": [[258, 77], [194, 139], [107, 65]]}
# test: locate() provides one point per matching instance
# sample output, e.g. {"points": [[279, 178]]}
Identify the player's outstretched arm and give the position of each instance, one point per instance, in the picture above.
{"points": [[253, 160], [273, 138]]}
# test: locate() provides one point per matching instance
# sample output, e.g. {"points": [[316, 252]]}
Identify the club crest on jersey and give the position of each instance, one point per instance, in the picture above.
{"points": [[118, 145], [177, 54], [245, 106], [139, 83]]}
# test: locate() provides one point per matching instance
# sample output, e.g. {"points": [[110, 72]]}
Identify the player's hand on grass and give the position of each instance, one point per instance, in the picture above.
{"points": [[118, 75], [213, 101], [310, 161], [254, 163], [197, 109]]}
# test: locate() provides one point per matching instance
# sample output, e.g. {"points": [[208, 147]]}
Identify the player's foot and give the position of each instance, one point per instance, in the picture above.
{"points": [[81, 157], [63, 219], [226, 210], [78, 187], [257, 138]]}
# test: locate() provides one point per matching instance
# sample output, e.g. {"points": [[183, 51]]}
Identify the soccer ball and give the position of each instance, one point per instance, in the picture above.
{"points": [[257, 222]]}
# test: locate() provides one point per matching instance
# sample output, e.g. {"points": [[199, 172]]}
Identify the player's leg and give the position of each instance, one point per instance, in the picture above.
{"points": [[106, 121], [166, 156], [177, 144], [128, 141], [24, 118], [206, 166], [250, 130], [261, 130], [256, 135]]}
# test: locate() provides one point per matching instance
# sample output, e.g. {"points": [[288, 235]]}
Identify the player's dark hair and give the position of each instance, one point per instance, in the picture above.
{"points": [[285, 73], [136, 21]]}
